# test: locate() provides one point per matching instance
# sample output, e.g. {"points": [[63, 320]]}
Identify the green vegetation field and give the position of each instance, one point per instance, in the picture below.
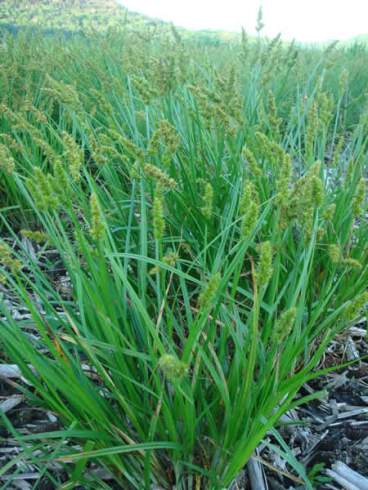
{"points": [[184, 223]]}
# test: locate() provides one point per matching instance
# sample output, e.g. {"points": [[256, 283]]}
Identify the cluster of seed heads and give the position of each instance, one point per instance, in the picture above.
{"points": [[337, 258], [45, 190]]}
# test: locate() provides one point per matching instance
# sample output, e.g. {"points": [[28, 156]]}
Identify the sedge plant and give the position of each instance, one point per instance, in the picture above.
{"points": [[212, 246]]}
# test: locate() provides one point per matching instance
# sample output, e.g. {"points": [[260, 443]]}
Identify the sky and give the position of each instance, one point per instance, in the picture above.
{"points": [[303, 20]]}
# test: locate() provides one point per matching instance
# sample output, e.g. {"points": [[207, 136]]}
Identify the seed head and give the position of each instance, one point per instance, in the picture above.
{"points": [[317, 190], [169, 136], [209, 292], [172, 368], [249, 209], [352, 263], [7, 163], [60, 184], [326, 106], [158, 213], [359, 198], [284, 324], [36, 236], [169, 259], [265, 268], [337, 152], [160, 176], [96, 227], [306, 196], [43, 192], [73, 155], [7, 260], [329, 212], [252, 162], [283, 181], [207, 201], [356, 306], [334, 253]]}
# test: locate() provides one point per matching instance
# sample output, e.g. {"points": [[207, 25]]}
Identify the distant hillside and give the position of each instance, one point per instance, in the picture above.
{"points": [[71, 15]]}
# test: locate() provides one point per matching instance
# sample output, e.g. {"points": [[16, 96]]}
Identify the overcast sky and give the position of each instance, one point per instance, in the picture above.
{"points": [[304, 20]]}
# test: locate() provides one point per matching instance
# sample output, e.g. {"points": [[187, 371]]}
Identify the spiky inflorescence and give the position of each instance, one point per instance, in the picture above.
{"points": [[49, 191], [11, 143], [42, 188], [73, 155], [265, 269], [208, 294], [359, 198], [144, 88], [329, 212], [129, 148], [172, 368], [337, 151], [264, 145], [7, 260], [307, 195], [334, 252], [169, 136], [158, 218], [284, 324], [160, 176], [283, 181], [164, 136], [51, 155], [356, 306], [60, 183], [352, 263], [7, 163], [253, 165], [249, 209], [326, 106], [336, 257], [169, 259], [97, 226], [36, 236], [207, 201], [62, 92], [317, 190]]}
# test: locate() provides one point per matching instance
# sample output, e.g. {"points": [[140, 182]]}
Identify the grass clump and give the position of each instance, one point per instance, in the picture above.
{"points": [[210, 222]]}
